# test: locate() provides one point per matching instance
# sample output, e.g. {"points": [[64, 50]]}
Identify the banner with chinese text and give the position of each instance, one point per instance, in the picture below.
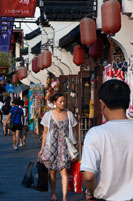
{"points": [[6, 26], [17, 8]]}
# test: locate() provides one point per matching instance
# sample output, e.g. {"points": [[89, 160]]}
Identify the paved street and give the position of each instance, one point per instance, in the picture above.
{"points": [[12, 168]]}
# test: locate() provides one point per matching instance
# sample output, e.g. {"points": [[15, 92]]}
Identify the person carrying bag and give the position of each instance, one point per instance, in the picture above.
{"points": [[16, 114], [54, 151]]}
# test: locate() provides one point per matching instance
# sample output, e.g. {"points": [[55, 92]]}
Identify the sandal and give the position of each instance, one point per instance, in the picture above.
{"points": [[53, 198]]}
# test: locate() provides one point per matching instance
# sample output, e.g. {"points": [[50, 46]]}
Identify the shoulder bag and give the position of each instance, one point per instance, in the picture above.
{"points": [[10, 124], [72, 151]]}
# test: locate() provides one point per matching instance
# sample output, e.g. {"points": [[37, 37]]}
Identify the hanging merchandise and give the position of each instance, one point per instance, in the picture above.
{"points": [[88, 31], [91, 104], [78, 55], [113, 72], [46, 59], [39, 61], [111, 17], [14, 78], [35, 68], [95, 50], [130, 83]]}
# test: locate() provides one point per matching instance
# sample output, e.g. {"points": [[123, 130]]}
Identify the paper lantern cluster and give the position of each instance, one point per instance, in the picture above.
{"points": [[41, 62], [111, 24]]}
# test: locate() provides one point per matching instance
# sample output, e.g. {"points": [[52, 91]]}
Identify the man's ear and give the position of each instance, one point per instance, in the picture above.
{"points": [[103, 105]]}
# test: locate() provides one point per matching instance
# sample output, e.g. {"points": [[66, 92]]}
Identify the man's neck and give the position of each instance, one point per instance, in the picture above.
{"points": [[116, 114]]}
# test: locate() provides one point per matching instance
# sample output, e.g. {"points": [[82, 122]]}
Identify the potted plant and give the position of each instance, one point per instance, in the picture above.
{"points": [[6, 61]]}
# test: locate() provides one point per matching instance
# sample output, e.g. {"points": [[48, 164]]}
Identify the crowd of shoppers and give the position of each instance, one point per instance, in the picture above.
{"points": [[18, 115], [106, 161]]}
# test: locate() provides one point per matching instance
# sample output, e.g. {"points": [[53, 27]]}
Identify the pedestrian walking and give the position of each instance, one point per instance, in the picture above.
{"points": [[1, 105], [54, 151], [108, 151], [15, 115], [23, 133], [5, 111]]}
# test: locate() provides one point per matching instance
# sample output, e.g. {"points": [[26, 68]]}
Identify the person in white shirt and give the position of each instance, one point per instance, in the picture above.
{"points": [[107, 158]]}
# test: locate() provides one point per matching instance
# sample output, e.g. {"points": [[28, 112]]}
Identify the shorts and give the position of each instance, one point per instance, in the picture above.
{"points": [[17, 127]]}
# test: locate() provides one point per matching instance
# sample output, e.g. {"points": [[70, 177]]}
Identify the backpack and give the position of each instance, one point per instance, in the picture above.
{"points": [[6, 109]]}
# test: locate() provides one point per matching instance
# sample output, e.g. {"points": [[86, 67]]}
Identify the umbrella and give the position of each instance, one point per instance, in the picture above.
{"points": [[21, 88]]}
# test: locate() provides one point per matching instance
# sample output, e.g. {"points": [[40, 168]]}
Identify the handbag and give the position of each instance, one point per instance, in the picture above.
{"points": [[75, 178], [72, 151], [36, 176], [9, 125]]}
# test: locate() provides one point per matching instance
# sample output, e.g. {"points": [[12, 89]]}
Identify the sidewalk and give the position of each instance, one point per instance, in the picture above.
{"points": [[13, 165]]}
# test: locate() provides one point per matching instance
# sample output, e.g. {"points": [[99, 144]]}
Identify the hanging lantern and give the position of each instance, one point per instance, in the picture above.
{"points": [[87, 31], [19, 74], [78, 55], [14, 78], [24, 72], [111, 16], [39, 61], [95, 50], [46, 59], [35, 68]]}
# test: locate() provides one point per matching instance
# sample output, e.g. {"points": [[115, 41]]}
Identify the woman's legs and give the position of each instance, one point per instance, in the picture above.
{"points": [[4, 127], [64, 175], [53, 182]]}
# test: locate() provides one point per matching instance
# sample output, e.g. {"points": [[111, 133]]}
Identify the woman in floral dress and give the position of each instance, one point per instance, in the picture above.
{"points": [[54, 151]]}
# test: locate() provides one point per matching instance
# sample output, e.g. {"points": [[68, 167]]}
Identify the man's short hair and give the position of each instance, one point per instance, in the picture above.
{"points": [[115, 94], [16, 101]]}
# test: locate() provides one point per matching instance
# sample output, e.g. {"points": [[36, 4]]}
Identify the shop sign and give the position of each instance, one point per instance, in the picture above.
{"points": [[17, 8]]}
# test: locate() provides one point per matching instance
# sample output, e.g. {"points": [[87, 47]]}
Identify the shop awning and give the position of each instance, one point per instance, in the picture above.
{"points": [[21, 88]]}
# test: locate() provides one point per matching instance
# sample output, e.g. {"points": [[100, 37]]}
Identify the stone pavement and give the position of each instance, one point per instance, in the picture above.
{"points": [[13, 165]]}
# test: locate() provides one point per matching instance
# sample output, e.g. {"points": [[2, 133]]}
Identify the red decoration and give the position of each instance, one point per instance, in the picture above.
{"points": [[35, 68], [87, 31], [14, 78], [78, 55], [24, 72], [19, 74], [95, 50], [17, 8], [46, 59], [111, 16], [39, 62]]}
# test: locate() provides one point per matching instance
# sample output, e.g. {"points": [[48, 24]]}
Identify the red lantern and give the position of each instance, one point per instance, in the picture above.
{"points": [[19, 74], [14, 78], [35, 68], [39, 62], [46, 59], [24, 72], [78, 55], [95, 50], [111, 16], [87, 31]]}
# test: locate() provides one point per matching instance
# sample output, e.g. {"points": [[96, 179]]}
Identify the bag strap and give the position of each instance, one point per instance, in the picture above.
{"points": [[16, 115]]}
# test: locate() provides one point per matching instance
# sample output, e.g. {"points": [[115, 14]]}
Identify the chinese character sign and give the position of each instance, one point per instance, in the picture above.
{"points": [[17, 8], [6, 26]]}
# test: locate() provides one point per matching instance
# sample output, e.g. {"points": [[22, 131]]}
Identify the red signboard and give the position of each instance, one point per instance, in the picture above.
{"points": [[17, 8]]}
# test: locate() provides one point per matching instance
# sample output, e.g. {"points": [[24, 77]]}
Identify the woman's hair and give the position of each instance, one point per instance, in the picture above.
{"points": [[55, 97]]}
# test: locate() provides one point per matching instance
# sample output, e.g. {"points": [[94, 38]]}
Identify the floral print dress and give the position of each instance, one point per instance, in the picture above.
{"points": [[56, 155]]}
